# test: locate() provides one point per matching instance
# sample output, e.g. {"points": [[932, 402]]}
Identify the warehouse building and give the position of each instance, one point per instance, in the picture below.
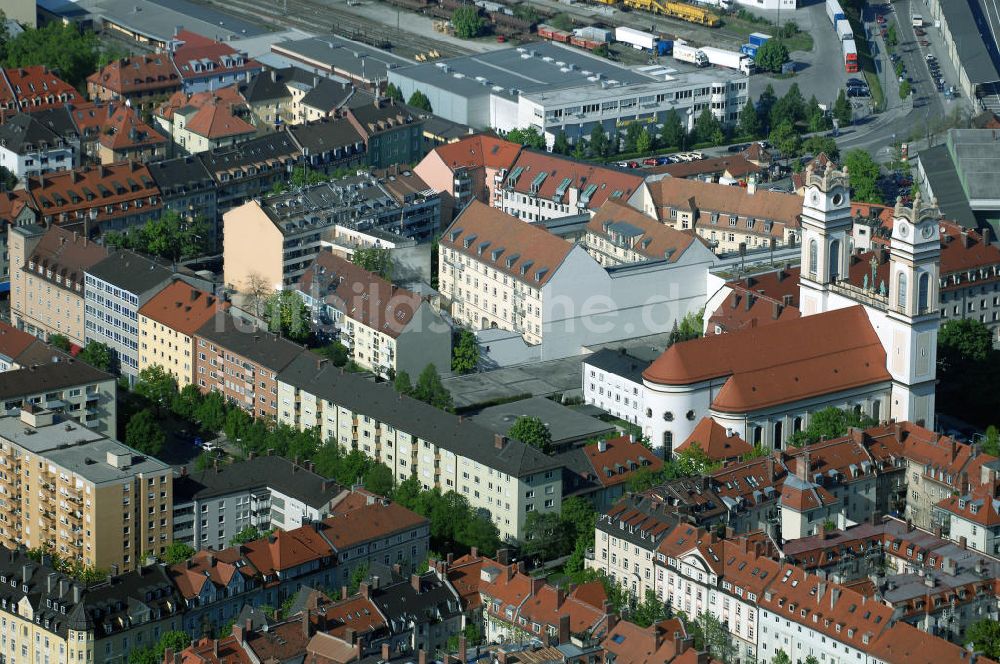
{"points": [[557, 88], [968, 29]]}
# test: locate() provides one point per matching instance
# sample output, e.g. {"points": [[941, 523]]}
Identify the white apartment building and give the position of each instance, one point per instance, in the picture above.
{"points": [[506, 478], [612, 381], [498, 272]]}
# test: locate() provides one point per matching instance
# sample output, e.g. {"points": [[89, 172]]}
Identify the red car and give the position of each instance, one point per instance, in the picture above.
{"points": [[651, 161], [633, 164]]}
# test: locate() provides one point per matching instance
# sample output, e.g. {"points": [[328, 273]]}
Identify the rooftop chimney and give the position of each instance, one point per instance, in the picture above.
{"points": [[415, 582], [499, 441], [564, 628]]}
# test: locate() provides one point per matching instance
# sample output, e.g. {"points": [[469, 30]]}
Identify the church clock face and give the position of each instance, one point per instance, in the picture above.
{"points": [[815, 198], [927, 231], [904, 230], [838, 199]]}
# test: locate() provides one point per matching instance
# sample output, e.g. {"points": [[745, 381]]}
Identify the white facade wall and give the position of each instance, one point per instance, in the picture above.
{"points": [[62, 158], [610, 392], [799, 641], [978, 537]]}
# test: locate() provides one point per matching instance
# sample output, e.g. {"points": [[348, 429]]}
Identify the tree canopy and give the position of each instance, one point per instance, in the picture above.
{"points": [[532, 431], [430, 389], [419, 100], [374, 259], [830, 423], [288, 316], [97, 355], [771, 55], [984, 636], [169, 236], [177, 552], [528, 136], [467, 22], [465, 355], [62, 47], [144, 433], [864, 176]]}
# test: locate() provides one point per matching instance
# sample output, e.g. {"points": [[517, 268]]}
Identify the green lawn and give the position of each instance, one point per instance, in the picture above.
{"points": [[742, 28]]}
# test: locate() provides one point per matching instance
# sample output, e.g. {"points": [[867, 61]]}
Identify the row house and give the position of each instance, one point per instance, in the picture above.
{"points": [[540, 186], [391, 133], [501, 477], [188, 188], [619, 234], [44, 142], [33, 88], [140, 80], [251, 168], [726, 217], [329, 145], [207, 64], [205, 120]]}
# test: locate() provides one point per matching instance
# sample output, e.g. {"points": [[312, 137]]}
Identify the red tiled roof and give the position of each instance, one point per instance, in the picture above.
{"points": [[215, 113], [747, 306], [526, 252], [13, 341], [737, 166], [378, 519], [361, 295], [478, 151], [715, 441], [136, 74], [981, 506], [124, 129], [286, 549], [704, 198], [621, 457], [905, 644], [196, 47], [209, 651], [685, 537], [94, 187], [216, 567], [611, 183], [67, 254], [358, 613], [791, 360], [464, 574], [631, 644], [654, 240], [35, 88], [182, 307]]}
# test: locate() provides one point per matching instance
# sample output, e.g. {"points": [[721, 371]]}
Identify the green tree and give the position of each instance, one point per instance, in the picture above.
{"points": [[61, 47], [580, 150], [205, 461], [529, 137], [248, 534], [465, 355], [672, 134], [984, 636], [211, 412], [156, 385], [377, 260], [781, 657], [706, 126], [599, 144], [645, 142], [532, 431], [991, 441], [650, 610], [429, 389], [765, 103], [816, 144], [864, 174], [904, 89], [378, 479], [579, 515], [358, 576], [601, 50], [169, 236], [791, 107], [561, 144], [632, 133], [97, 355], [336, 352], [144, 433], [694, 461], [772, 55], [394, 93], [467, 22], [830, 423], [718, 640], [419, 100], [748, 126], [546, 536], [288, 315], [59, 341], [177, 552], [816, 118], [402, 383], [963, 342], [786, 139], [8, 180], [562, 21], [842, 109]]}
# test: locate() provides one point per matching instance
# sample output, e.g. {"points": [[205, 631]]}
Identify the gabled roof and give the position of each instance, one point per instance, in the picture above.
{"points": [[359, 294], [124, 129], [627, 227], [478, 151], [15, 342], [686, 539], [96, 188], [619, 459], [715, 441], [327, 95], [905, 644], [35, 87], [791, 360], [195, 48], [377, 519], [137, 74], [182, 307], [980, 506], [704, 197], [758, 300], [23, 133], [524, 251], [603, 182]]}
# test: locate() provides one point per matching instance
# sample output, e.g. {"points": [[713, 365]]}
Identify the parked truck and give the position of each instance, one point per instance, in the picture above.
{"points": [[850, 56], [749, 49], [834, 12], [844, 30], [637, 39], [917, 20], [729, 59], [691, 54]]}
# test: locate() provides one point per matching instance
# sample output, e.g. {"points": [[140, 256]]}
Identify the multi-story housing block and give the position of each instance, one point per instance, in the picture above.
{"points": [[329, 145], [39, 143], [89, 498], [72, 389], [15, 210], [141, 80], [33, 88], [214, 505], [206, 64], [48, 280], [392, 134], [189, 190], [542, 186], [251, 168], [167, 325], [621, 235], [205, 120], [505, 478], [114, 290], [388, 329], [612, 381], [242, 363]]}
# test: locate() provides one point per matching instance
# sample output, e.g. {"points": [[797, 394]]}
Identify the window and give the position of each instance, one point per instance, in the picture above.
{"points": [[923, 292], [813, 257], [901, 290]]}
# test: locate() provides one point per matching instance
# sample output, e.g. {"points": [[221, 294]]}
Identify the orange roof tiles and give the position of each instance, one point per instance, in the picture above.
{"points": [[747, 306], [13, 341], [358, 613], [464, 574], [793, 360], [34, 88], [210, 651], [137, 74], [685, 537], [981, 506], [704, 198], [380, 518], [905, 644], [286, 549], [196, 48], [116, 186], [182, 307], [611, 183], [124, 129], [736, 166], [631, 644], [216, 567], [715, 441], [488, 235], [619, 459], [68, 255], [215, 112], [478, 151], [616, 221]]}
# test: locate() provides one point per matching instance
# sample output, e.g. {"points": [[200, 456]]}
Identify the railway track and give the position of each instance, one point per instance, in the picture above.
{"points": [[327, 18]]}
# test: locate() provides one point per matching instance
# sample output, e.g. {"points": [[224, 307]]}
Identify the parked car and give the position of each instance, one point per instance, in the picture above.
{"points": [[930, 57], [633, 164], [920, 33], [649, 161]]}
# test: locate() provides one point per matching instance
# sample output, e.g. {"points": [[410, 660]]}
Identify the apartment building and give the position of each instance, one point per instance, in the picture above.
{"points": [[242, 363], [15, 210], [505, 478], [972, 517], [189, 190], [619, 234], [542, 185], [59, 619], [205, 120], [392, 134], [388, 329], [115, 288], [725, 217], [468, 169], [70, 388], [47, 280], [329, 144], [111, 197], [125, 136], [167, 325], [207, 64], [250, 169], [139, 79], [33, 88], [88, 497], [498, 272], [211, 506], [34, 145]]}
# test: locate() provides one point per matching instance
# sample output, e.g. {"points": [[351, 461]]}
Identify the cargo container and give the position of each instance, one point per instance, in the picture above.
{"points": [[729, 59], [691, 54], [548, 32], [834, 12], [664, 47], [592, 33], [582, 42], [844, 30], [850, 56], [758, 38], [749, 49], [636, 38]]}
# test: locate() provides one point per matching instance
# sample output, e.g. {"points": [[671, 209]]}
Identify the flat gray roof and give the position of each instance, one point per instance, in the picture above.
{"points": [[159, 18], [335, 52], [565, 424], [972, 28], [946, 186], [45, 439], [976, 153], [531, 68]]}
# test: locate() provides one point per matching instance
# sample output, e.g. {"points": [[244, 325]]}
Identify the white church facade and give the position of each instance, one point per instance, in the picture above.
{"points": [[870, 348]]}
